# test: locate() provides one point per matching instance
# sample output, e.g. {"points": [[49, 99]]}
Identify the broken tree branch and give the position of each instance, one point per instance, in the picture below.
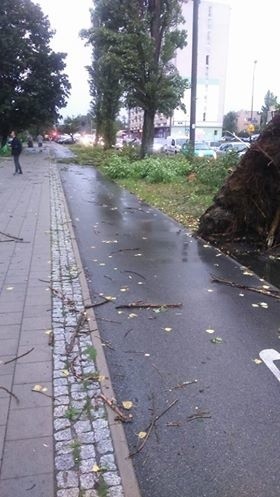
{"points": [[11, 236], [19, 356], [144, 305], [10, 393], [123, 417], [269, 293], [151, 426]]}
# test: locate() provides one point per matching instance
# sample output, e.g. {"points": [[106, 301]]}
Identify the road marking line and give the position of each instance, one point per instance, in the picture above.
{"points": [[268, 356]]}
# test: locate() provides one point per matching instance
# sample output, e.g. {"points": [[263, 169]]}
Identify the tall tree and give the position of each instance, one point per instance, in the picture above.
{"points": [[230, 122], [270, 103], [105, 72], [141, 38], [33, 86]]}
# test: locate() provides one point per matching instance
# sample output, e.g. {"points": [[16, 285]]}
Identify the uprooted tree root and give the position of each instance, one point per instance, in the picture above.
{"points": [[247, 207]]}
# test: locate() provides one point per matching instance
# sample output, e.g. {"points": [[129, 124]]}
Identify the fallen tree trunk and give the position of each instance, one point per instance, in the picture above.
{"points": [[247, 206]]}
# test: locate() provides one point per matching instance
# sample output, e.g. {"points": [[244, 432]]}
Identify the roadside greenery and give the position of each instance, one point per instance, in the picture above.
{"points": [[182, 188]]}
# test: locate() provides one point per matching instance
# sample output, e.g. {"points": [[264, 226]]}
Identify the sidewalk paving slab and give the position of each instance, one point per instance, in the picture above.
{"points": [[41, 292]]}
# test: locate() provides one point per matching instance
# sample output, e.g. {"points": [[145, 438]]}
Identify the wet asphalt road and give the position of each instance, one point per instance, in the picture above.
{"points": [[134, 253]]}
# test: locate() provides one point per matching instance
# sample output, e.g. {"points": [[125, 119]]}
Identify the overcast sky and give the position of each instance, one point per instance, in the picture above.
{"points": [[253, 36]]}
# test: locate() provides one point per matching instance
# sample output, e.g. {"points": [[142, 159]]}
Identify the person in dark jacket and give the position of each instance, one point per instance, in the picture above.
{"points": [[16, 148]]}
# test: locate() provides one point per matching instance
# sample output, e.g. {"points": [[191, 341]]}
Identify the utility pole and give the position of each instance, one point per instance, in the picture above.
{"points": [[253, 90], [194, 73]]}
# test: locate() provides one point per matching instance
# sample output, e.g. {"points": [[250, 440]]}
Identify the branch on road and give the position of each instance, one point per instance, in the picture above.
{"points": [[269, 293], [149, 429], [120, 415], [146, 305]]}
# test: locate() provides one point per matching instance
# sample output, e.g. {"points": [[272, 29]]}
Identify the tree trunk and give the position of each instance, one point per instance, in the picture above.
{"points": [[247, 204], [148, 133]]}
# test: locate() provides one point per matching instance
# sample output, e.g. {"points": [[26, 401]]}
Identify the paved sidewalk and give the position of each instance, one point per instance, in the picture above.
{"points": [[55, 437]]}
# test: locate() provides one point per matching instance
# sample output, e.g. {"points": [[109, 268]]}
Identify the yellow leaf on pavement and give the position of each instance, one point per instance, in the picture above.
{"points": [[142, 434], [96, 468], [127, 404], [39, 388]]}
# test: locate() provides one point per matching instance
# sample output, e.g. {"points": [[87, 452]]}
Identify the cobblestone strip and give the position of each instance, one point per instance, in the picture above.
{"points": [[84, 458]]}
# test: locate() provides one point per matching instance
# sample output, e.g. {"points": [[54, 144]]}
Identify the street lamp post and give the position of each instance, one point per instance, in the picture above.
{"points": [[253, 89], [194, 73]]}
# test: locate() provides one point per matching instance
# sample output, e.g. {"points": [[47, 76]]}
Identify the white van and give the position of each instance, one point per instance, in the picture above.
{"points": [[174, 144]]}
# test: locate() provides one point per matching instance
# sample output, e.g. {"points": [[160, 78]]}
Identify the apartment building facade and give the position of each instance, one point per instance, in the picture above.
{"points": [[213, 35]]}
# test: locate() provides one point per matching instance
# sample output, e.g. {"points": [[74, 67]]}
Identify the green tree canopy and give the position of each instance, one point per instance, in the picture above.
{"points": [[141, 38], [230, 122], [270, 104], [33, 86]]}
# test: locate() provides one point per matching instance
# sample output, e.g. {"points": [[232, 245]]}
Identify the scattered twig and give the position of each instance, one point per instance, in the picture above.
{"points": [[151, 426], [127, 332], [123, 417], [270, 293], [108, 320], [173, 424], [10, 393], [19, 356], [124, 250], [50, 339], [45, 394], [158, 370], [11, 236], [105, 301], [182, 385], [199, 415], [134, 272], [143, 305], [108, 277], [80, 322]]}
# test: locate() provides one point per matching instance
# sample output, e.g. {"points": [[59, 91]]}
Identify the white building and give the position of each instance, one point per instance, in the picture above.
{"points": [[213, 38]]}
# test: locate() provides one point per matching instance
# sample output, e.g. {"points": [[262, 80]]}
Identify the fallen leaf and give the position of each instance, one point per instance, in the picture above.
{"points": [[132, 315], [65, 372], [257, 361], [39, 388], [142, 434], [217, 340], [255, 305], [96, 468], [127, 404], [210, 331], [167, 329]]}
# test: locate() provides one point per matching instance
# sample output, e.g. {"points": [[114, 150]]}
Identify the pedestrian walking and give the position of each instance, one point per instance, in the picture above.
{"points": [[40, 142], [16, 148]]}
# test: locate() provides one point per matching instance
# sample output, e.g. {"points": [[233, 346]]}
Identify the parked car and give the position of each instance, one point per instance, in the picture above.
{"points": [[238, 147], [174, 144], [64, 139], [201, 149], [159, 145]]}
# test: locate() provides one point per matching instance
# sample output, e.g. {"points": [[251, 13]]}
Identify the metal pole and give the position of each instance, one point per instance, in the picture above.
{"points": [[253, 89], [194, 73]]}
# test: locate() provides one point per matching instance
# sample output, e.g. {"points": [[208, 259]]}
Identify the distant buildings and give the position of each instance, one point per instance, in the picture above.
{"points": [[245, 119], [214, 19]]}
